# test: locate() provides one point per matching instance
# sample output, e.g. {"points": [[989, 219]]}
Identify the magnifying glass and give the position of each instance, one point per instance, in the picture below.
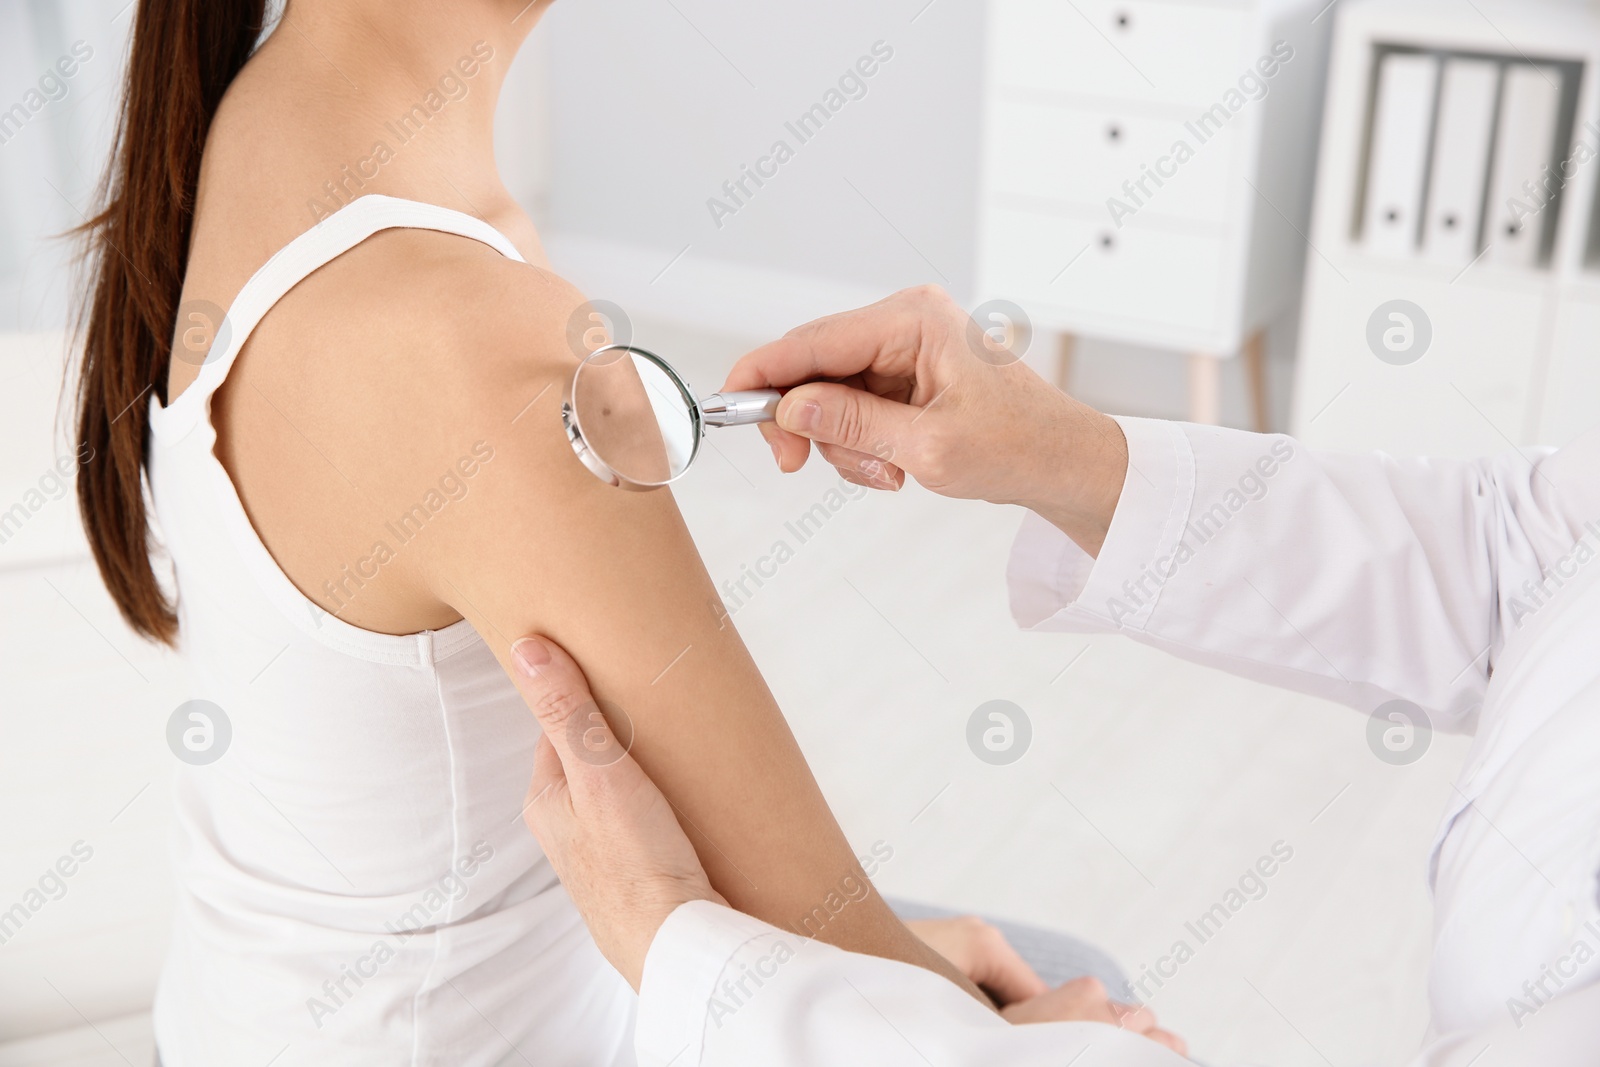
{"points": [[636, 424]]}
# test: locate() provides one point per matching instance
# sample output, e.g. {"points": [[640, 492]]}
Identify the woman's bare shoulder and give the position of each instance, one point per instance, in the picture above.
{"points": [[412, 323], [374, 380]]}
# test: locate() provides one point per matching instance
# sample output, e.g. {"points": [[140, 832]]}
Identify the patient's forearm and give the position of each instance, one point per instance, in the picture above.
{"points": [[769, 834], [869, 926], [932, 961]]}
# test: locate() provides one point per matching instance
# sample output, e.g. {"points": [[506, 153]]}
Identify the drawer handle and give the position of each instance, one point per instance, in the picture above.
{"points": [[1122, 20], [1107, 241], [1114, 132]]}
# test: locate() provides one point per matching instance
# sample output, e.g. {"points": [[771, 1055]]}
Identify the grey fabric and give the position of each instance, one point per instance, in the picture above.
{"points": [[1057, 957]]}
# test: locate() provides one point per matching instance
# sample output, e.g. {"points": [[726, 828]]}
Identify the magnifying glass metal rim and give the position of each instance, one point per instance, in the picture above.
{"points": [[740, 408], [592, 459]]}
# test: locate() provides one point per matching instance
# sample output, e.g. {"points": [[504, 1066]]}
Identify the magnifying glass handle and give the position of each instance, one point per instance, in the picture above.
{"points": [[741, 409]]}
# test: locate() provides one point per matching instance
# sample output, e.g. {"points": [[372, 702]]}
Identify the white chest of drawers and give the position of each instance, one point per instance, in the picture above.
{"points": [[1147, 169]]}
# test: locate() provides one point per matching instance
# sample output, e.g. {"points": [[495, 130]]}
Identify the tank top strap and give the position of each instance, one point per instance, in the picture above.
{"points": [[292, 264]]}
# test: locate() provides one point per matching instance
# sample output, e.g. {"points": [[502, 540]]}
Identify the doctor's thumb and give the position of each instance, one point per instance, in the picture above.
{"points": [[834, 414], [556, 691]]}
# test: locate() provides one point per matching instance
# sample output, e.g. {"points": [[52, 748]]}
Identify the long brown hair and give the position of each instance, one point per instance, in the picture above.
{"points": [[184, 55]]}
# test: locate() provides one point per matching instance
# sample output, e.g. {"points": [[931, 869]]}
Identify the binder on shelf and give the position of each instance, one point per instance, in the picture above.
{"points": [[1401, 123], [1524, 176], [1460, 164]]}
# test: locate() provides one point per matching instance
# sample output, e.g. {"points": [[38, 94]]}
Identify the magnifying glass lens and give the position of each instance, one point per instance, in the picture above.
{"points": [[635, 416]]}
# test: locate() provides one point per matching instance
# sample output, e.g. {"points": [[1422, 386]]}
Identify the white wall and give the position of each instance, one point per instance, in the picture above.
{"points": [[657, 104], [49, 168]]}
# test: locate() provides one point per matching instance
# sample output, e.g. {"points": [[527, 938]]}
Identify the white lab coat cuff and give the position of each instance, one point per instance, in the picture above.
{"points": [[1055, 585], [685, 962]]}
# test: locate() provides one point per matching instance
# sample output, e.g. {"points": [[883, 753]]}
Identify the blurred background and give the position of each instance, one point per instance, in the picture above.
{"points": [[1369, 224]]}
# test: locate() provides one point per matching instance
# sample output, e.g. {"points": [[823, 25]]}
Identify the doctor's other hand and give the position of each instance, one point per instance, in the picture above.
{"points": [[982, 953], [1085, 1000], [912, 385], [608, 831]]}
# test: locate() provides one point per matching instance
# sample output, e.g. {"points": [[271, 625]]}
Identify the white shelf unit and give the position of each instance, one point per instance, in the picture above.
{"points": [[1514, 317], [1084, 96]]}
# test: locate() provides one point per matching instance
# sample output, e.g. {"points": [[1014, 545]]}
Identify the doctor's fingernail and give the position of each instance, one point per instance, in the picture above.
{"points": [[777, 456], [805, 418], [530, 655]]}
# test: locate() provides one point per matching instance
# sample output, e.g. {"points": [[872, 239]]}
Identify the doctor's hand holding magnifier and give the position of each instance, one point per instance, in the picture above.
{"points": [[915, 386], [1407, 578]]}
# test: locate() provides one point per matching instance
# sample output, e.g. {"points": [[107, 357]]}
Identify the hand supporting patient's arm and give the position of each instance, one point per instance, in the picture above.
{"points": [[910, 385], [609, 832], [623, 857]]}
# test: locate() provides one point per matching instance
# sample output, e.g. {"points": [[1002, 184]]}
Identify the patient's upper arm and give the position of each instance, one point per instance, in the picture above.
{"points": [[538, 544]]}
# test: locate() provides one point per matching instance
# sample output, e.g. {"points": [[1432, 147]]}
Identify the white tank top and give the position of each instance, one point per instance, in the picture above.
{"points": [[355, 884]]}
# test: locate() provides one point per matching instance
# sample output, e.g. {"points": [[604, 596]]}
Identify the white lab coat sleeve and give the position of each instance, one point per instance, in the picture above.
{"points": [[1359, 578], [1565, 1032], [721, 989]]}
